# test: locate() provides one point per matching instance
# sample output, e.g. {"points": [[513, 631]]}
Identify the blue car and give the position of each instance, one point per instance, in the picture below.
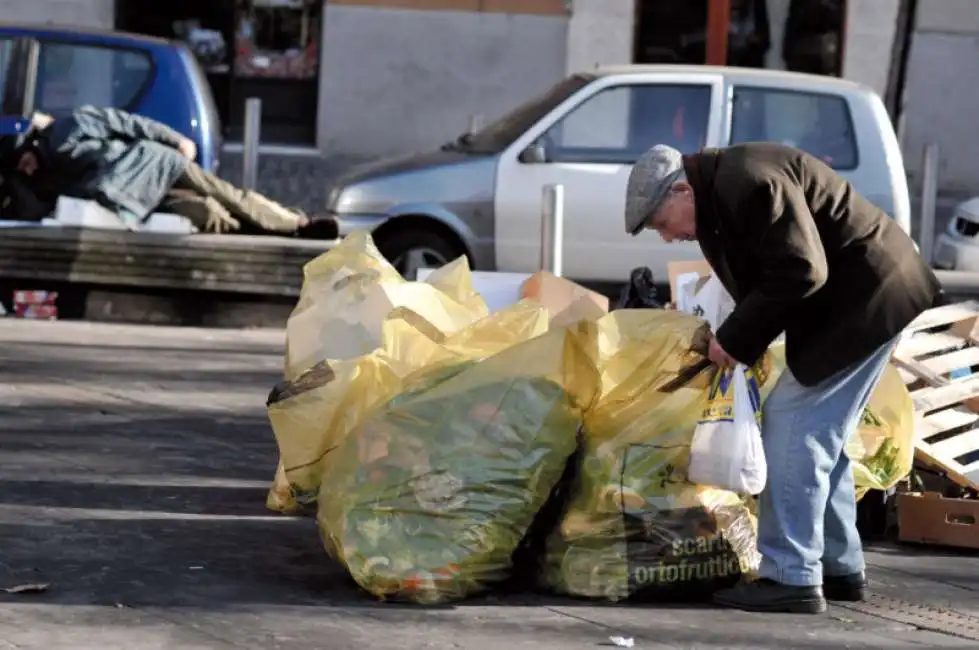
{"points": [[54, 71]]}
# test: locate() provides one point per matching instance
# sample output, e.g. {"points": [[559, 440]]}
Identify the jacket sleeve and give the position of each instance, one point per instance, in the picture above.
{"points": [[791, 264], [114, 123]]}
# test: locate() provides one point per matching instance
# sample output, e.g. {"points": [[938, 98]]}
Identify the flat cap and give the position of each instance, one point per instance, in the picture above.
{"points": [[649, 183]]}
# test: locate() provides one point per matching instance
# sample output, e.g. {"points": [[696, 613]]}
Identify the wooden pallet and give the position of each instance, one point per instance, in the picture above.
{"points": [[936, 358]]}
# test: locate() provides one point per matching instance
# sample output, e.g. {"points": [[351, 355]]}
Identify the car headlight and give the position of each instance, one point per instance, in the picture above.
{"points": [[964, 225]]}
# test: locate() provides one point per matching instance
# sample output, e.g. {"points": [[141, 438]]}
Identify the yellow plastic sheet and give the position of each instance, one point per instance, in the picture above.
{"points": [[634, 527], [348, 296], [883, 447], [428, 500], [312, 414], [349, 291]]}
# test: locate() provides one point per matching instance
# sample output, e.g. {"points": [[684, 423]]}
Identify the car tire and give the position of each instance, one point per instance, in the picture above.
{"points": [[411, 250]]}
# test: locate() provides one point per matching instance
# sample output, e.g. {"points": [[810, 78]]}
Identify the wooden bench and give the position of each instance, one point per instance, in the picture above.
{"points": [[253, 265], [167, 279]]}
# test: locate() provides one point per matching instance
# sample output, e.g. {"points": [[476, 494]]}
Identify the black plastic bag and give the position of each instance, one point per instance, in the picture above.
{"points": [[640, 293]]}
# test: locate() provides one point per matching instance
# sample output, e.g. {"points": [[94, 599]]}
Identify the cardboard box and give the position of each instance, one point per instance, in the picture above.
{"points": [[36, 312], [677, 269], [930, 518], [559, 295], [29, 297]]}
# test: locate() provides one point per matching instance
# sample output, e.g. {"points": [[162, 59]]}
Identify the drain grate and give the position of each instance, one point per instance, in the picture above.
{"points": [[923, 617]]}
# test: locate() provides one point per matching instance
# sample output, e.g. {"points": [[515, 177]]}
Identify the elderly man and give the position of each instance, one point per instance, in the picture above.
{"points": [[135, 165], [801, 253]]}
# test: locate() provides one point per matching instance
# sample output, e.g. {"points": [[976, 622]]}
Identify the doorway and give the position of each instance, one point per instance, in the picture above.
{"points": [[796, 35], [267, 49], [671, 32], [207, 26]]}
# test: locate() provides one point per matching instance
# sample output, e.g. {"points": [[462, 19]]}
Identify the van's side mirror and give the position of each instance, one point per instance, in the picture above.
{"points": [[535, 154]]}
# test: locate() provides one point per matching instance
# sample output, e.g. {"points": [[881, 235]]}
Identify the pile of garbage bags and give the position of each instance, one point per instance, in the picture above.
{"points": [[437, 442]]}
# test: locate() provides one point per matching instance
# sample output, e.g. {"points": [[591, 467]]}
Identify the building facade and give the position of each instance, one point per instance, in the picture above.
{"points": [[942, 93]]}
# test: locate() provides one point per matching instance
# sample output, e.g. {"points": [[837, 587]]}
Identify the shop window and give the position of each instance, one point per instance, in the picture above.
{"points": [[73, 75], [276, 59], [277, 39], [208, 45], [618, 124], [795, 35], [749, 33], [670, 32], [267, 49], [817, 123], [812, 39]]}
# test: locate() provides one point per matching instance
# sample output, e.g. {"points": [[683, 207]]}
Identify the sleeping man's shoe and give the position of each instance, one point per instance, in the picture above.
{"points": [[770, 596]]}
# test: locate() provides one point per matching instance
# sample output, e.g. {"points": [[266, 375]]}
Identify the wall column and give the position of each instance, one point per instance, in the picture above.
{"points": [[600, 32]]}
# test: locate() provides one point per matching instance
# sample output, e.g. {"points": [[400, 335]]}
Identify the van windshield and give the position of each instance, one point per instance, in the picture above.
{"points": [[498, 135]]}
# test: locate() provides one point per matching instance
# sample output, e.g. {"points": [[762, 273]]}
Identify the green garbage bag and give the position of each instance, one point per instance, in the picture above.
{"points": [[429, 499]]}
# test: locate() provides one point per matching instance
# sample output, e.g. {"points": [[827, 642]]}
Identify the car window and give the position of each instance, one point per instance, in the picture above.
{"points": [[499, 135], [72, 75], [618, 124], [818, 123], [5, 45]]}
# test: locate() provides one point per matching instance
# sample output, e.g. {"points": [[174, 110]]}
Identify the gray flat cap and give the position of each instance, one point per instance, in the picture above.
{"points": [[649, 182]]}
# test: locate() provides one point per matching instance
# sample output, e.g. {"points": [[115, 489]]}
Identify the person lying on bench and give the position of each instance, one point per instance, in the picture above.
{"points": [[132, 164]]}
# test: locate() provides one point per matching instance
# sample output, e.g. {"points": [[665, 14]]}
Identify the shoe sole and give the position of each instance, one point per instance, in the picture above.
{"points": [[808, 606]]}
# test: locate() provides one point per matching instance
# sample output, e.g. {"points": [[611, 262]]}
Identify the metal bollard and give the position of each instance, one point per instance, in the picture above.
{"points": [[552, 230], [929, 200], [253, 127]]}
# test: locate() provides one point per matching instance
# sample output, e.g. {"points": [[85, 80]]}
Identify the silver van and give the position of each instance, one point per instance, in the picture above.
{"points": [[480, 195]]}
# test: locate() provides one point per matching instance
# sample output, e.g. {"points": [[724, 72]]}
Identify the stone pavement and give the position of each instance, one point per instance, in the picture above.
{"points": [[134, 463]]}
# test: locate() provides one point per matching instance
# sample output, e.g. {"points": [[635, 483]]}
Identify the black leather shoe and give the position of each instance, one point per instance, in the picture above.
{"points": [[769, 596], [849, 588]]}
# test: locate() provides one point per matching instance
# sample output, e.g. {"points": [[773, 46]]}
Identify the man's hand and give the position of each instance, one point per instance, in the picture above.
{"points": [[188, 149], [719, 356]]}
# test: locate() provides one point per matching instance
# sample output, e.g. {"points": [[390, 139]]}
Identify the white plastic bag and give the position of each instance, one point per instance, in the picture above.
{"points": [[727, 451], [711, 302]]}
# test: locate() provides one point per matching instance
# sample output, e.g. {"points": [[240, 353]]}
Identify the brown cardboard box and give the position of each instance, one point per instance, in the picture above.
{"points": [[559, 295], [930, 518], [676, 269]]}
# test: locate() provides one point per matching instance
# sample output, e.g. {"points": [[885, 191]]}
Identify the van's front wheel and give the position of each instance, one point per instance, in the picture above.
{"points": [[412, 250]]}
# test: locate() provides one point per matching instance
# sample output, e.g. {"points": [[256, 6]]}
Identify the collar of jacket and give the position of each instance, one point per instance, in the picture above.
{"points": [[701, 169]]}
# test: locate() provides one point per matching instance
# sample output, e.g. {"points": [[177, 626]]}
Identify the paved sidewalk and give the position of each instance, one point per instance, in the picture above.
{"points": [[134, 464]]}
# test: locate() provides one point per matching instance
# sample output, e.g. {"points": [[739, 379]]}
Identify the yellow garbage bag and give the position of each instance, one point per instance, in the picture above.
{"points": [[347, 294], [349, 291], [429, 499], [882, 450], [312, 414], [633, 526], [883, 447]]}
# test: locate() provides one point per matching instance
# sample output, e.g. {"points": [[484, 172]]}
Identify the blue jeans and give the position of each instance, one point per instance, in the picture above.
{"points": [[807, 517]]}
